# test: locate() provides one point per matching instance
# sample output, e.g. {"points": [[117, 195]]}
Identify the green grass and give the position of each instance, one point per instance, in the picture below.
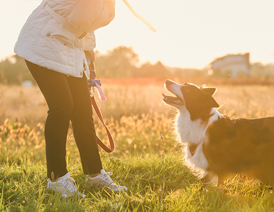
{"points": [[155, 184], [147, 160]]}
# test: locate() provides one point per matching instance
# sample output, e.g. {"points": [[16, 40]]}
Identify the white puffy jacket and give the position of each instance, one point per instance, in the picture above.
{"points": [[49, 43]]}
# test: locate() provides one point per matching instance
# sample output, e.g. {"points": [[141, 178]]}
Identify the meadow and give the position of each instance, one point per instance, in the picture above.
{"points": [[147, 159]]}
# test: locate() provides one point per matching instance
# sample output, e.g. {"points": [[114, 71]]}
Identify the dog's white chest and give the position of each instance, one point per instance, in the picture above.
{"points": [[188, 131]]}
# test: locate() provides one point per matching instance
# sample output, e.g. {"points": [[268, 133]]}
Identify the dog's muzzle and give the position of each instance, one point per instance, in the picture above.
{"points": [[173, 100]]}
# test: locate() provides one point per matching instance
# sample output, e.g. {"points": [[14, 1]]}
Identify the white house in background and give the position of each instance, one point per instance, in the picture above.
{"points": [[231, 65]]}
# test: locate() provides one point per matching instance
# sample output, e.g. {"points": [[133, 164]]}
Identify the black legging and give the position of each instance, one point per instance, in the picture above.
{"points": [[68, 99]]}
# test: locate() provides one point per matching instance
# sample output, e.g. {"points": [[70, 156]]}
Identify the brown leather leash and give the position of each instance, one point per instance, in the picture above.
{"points": [[110, 138], [92, 75]]}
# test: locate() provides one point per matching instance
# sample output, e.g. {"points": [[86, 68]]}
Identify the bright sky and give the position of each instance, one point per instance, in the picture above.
{"points": [[190, 33]]}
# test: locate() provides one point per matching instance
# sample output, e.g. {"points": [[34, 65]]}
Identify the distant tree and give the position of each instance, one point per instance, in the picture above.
{"points": [[188, 72], [13, 70], [257, 70], [156, 70], [199, 73], [120, 62], [260, 70], [216, 73], [269, 70]]}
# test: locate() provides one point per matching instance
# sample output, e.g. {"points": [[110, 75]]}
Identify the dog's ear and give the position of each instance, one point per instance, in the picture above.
{"points": [[212, 102], [209, 91]]}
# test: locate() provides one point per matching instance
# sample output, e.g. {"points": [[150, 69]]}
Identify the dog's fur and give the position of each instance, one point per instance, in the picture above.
{"points": [[217, 146]]}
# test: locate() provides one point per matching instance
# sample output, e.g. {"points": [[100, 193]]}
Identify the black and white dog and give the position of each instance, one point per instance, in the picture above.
{"points": [[217, 146]]}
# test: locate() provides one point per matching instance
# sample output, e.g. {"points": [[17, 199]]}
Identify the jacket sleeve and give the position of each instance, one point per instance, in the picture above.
{"points": [[89, 42]]}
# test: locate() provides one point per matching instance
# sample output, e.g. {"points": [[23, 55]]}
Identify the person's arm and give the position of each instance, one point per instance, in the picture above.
{"points": [[89, 45]]}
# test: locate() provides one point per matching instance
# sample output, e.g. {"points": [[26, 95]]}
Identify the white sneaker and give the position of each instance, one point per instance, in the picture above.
{"points": [[104, 180], [65, 185]]}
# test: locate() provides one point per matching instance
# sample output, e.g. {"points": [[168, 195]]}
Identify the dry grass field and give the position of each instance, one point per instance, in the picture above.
{"points": [[28, 106], [147, 158]]}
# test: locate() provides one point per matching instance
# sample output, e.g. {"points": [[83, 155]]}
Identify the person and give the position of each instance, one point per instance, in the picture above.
{"points": [[53, 42]]}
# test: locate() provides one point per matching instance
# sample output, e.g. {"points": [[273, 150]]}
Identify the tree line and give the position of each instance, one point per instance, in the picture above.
{"points": [[120, 62]]}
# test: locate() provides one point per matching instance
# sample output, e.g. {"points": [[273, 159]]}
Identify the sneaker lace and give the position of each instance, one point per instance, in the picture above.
{"points": [[70, 185], [106, 177]]}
